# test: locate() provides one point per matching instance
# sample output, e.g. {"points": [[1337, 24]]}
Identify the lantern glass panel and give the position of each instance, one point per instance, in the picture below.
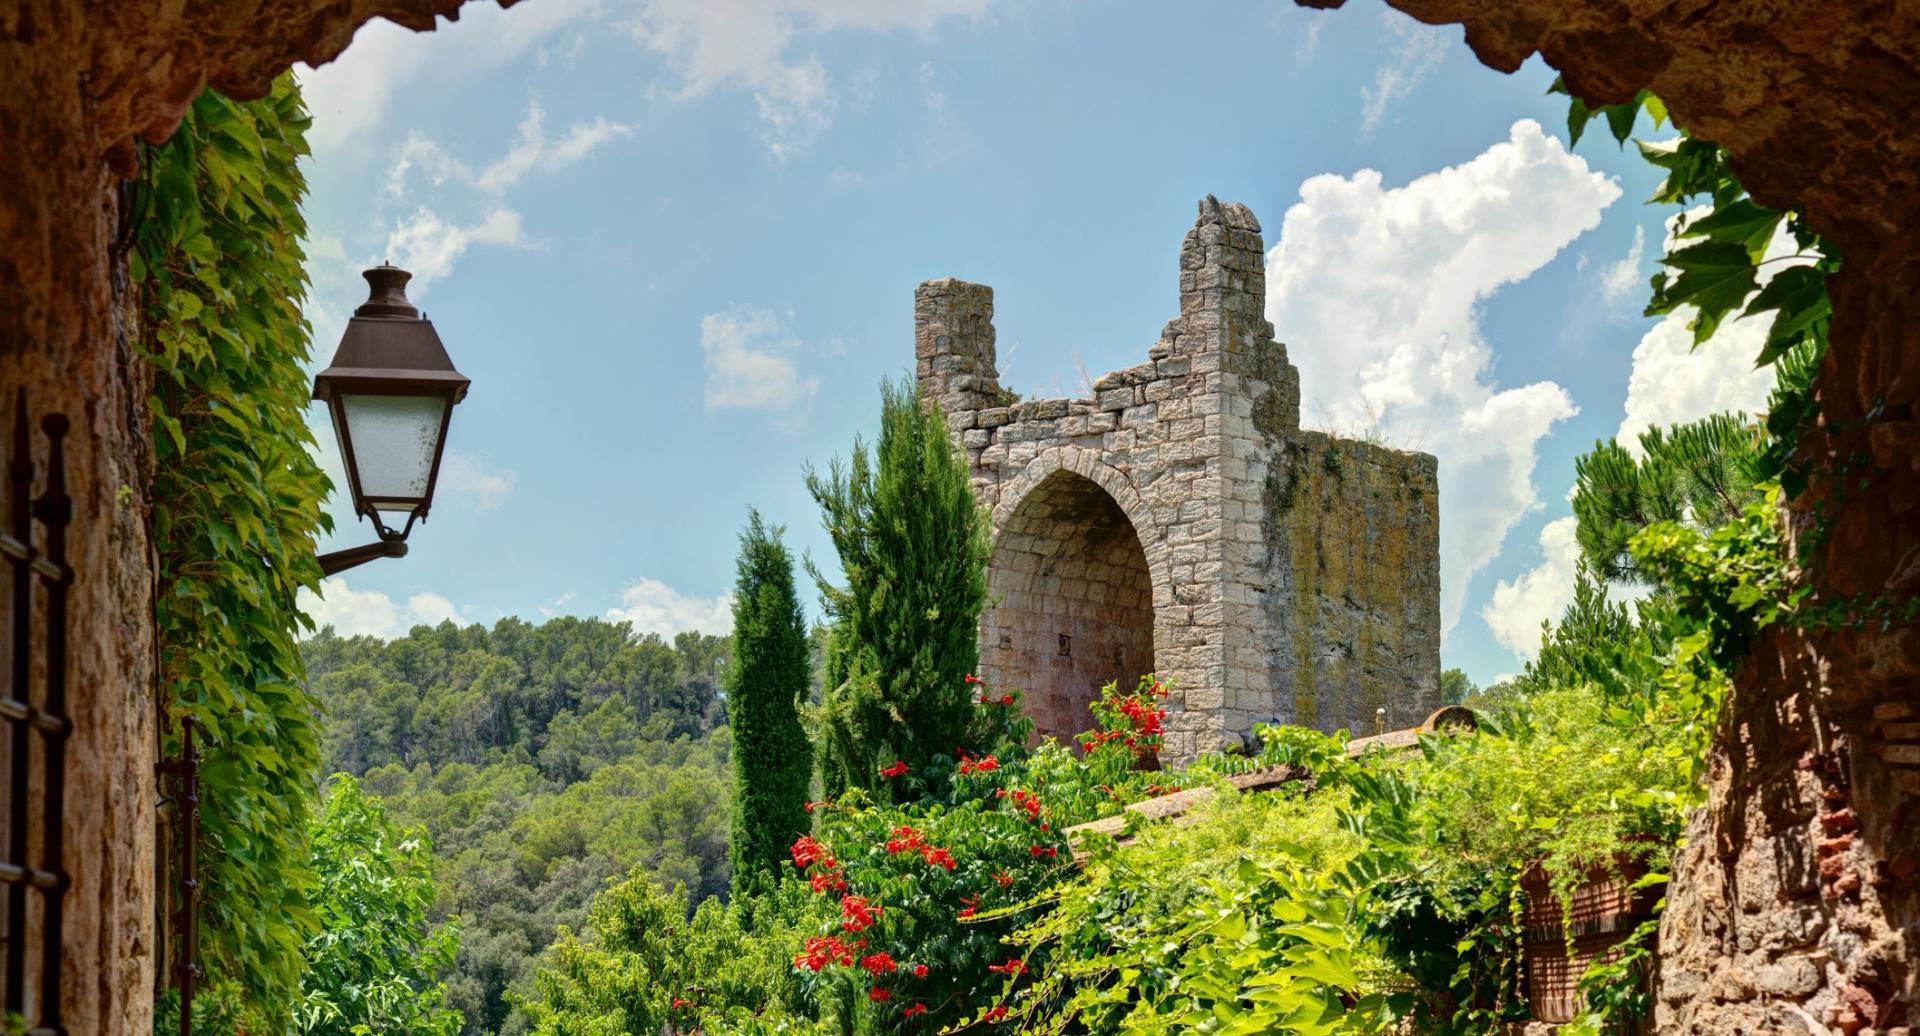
{"points": [[394, 441]]}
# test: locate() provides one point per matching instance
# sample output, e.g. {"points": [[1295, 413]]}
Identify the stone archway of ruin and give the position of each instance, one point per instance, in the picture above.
{"points": [[1073, 592]]}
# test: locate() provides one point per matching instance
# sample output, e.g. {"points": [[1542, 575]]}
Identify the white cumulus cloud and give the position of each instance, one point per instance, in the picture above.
{"points": [[352, 612], [1541, 594], [654, 607], [532, 150], [1619, 279], [429, 243], [353, 94], [1675, 381], [750, 366], [535, 150], [1375, 291], [1672, 382], [750, 44]]}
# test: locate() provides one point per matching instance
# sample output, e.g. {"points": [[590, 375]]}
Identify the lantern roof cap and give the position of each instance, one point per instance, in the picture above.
{"points": [[387, 293], [388, 347]]}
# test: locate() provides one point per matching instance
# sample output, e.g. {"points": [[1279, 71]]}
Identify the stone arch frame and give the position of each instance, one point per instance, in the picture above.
{"points": [[1119, 489], [1087, 464]]}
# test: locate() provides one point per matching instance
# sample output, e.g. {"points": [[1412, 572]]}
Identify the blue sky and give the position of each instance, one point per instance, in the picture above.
{"points": [[674, 244]]}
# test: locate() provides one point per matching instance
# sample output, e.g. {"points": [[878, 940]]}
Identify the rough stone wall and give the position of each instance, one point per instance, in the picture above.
{"points": [[1180, 521], [1795, 907]]}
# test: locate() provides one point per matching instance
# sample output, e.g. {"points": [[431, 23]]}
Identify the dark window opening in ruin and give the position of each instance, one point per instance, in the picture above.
{"points": [[1067, 572]]}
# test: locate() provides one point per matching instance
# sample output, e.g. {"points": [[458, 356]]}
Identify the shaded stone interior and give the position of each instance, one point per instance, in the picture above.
{"points": [[1073, 603]]}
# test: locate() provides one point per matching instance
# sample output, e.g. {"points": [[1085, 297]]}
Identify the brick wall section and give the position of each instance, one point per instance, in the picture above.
{"points": [[1276, 590]]}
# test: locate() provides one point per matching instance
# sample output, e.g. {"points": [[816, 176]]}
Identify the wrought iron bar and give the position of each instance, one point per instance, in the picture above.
{"points": [[186, 812], [20, 515], [44, 568], [341, 560], [54, 510]]}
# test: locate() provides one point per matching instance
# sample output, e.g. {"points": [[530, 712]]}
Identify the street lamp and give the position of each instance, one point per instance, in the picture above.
{"points": [[391, 390]]}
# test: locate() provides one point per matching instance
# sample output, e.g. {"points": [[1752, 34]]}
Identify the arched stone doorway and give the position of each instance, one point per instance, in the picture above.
{"points": [[1072, 602]]}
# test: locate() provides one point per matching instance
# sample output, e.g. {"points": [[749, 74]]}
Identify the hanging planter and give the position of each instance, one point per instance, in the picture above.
{"points": [[1604, 910]]}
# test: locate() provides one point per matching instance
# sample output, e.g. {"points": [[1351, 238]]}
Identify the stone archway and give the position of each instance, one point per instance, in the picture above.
{"points": [[1072, 600]]}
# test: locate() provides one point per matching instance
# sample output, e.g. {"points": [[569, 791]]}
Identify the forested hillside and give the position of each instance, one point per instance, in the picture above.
{"points": [[544, 761]]}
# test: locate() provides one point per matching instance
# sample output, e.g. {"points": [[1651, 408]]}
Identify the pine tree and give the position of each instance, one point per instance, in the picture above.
{"points": [[766, 681], [913, 547], [1701, 473]]}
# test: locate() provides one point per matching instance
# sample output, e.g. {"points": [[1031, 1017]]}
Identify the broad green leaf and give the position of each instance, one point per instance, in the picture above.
{"points": [[1799, 295], [1714, 276], [1743, 223]]}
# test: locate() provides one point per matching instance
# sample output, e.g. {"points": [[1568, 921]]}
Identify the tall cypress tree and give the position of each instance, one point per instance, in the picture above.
{"points": [[913, 546], [765, 683]]}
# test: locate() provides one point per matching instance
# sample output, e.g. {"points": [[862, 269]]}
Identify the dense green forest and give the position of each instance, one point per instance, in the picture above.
{"points": [[543, 762]]}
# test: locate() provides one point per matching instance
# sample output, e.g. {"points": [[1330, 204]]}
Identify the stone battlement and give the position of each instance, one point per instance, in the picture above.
{"points": [[1181, 522]]}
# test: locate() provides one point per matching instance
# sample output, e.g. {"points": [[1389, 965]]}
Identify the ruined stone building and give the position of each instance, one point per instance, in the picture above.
{"points": [[1181, 522]]}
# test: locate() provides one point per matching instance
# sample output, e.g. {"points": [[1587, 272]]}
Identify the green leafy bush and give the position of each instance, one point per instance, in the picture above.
{"points": [[1557, 783], [651, 963], [375, 964], [1251, 920]]}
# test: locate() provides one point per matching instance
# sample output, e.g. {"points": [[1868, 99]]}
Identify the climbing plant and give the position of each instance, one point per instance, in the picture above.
{"points": [[235, 511], [1716, 260]]}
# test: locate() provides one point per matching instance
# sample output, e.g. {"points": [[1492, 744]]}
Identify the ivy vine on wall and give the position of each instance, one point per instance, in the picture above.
{"points": [[235, 515]]}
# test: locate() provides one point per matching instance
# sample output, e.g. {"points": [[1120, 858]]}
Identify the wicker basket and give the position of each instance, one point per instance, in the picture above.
{"points": [[1604, 912]]}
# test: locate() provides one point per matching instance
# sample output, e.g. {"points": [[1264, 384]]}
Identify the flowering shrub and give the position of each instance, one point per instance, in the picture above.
{"points": [[1118, 763], [925, 894], [1132, 722]]}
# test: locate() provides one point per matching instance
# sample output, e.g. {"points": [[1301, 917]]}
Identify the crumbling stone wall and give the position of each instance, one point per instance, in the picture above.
{"points": [[1180, 521], [1355, 559]]}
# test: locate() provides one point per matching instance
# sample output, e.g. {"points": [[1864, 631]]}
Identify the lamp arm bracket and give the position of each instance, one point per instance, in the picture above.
{"points": [[341, 560]]}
